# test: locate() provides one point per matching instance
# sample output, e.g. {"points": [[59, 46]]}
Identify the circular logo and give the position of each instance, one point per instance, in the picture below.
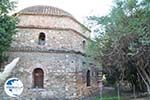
{"points": [[13, 87]]}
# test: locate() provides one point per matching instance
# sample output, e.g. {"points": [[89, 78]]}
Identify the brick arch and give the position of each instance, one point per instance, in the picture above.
{"points": [[31, 69], [38, 65]]}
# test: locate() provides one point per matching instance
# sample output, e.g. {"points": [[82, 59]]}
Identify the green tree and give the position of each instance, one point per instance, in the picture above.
{"points": [[124, 44], [7, 27]]}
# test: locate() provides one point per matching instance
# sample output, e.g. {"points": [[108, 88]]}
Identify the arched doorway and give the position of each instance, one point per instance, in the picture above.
{"points": [[88, 78], [38, 78]]}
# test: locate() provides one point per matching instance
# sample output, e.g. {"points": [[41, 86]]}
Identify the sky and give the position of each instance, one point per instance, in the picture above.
{"points": [[80, 9]]}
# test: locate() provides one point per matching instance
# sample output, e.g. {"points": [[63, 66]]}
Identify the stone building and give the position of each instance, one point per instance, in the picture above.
{"points": [[51, 45]]}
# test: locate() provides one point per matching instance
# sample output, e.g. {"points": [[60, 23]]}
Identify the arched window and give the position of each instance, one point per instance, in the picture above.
{"points": [[41, 39], [83, 44], [88, 78], [38, 78]]}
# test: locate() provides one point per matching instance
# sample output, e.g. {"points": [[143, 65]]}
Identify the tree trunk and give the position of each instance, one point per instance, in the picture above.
{"points": [[146, 83]]}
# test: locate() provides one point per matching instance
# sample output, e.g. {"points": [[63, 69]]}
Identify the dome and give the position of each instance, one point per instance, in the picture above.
{"points": [[44, 10]]}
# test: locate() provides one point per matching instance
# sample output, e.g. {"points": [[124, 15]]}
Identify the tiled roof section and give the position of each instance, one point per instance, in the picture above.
{"points": [[45, 10]]}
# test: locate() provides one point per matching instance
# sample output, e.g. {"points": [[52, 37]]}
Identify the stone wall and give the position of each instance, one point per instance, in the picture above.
{"points": [[59, 72], [55, 39], [61, 58], [64, 75], [52, 22]]}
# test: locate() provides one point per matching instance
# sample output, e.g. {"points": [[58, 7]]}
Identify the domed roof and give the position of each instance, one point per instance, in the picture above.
{"points": [[45, 10]]}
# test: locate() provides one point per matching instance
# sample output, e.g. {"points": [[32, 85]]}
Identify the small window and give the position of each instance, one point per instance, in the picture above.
{"points": [[41, 39], [38, 77], [83, 44], [88, 78]]}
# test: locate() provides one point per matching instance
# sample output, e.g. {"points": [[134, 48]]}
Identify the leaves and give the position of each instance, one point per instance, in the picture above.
{"points": [[126, 37], [6, 6], [7, 27]]}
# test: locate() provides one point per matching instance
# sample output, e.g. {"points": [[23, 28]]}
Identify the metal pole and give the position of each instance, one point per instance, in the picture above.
{"points": [[134, 91], [101, 89], [118, 90]]}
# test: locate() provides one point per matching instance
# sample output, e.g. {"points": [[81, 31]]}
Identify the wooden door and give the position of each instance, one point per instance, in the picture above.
{"points": [[38, 76]]}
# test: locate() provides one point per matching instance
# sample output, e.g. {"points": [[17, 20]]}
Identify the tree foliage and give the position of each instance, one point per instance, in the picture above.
{"points": [[7, 27], [123, 47]]}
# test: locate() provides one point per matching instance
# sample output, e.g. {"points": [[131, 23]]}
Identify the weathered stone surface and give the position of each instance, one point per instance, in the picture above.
{"points": [[61, 58], [52, 22], [55, 39]]}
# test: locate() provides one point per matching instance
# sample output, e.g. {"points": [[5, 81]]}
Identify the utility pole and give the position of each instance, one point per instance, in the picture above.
{"points": [[118, 90], [100, 82]]}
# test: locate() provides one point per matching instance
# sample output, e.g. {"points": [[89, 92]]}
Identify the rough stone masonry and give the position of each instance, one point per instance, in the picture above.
{"points": [[51, 45]]}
